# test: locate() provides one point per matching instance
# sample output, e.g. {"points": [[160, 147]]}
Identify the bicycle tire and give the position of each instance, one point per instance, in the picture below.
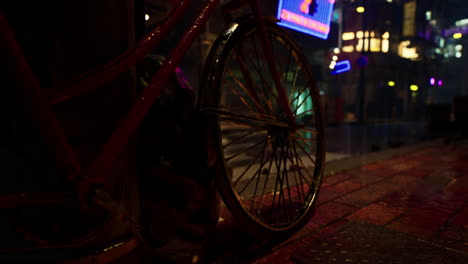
{"points": [[220, 107]]}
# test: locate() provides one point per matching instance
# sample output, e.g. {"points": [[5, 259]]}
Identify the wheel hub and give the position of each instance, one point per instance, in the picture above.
{"points": [[280, 136]]}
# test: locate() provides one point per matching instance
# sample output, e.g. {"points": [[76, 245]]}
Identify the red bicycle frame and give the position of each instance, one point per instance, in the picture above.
{"points": [[49, 125]]}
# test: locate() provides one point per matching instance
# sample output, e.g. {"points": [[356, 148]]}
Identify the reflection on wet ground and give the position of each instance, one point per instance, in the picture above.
{"points": [[419, 198]]}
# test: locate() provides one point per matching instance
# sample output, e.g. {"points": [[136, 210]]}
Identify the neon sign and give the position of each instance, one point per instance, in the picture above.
{"points": [[342, 66], [308, 16]]}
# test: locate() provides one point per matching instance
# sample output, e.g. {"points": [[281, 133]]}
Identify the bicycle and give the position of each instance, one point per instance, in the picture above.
{"points": [[257, 86]]}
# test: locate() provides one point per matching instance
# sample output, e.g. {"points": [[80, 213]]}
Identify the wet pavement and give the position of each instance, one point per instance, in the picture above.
{"points": [[352, 139], [407, 205]]}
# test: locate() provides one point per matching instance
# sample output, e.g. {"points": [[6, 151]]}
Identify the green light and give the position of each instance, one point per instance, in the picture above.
{"points": [[336, 15], [303, 104]]}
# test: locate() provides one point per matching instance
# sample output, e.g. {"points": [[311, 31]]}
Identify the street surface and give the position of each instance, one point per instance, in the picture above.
{"points": [[411, 207], [352, 139]]}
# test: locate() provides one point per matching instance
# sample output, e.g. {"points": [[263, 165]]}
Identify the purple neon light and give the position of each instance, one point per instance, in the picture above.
{"points": [[432, 81], [449, 32], [289, 12], [440, 83]]}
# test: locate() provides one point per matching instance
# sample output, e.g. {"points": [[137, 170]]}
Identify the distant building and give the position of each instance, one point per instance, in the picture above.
{"points": [[396, 47]]}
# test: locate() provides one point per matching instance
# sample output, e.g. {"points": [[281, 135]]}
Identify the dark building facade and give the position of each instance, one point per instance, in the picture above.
{"points": [[398, 50]]}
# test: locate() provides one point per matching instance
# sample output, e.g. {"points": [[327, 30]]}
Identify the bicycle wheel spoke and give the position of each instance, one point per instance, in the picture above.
{"points": [[264, 82], [293, 86], [302, 102], [315, 132], [287, 180], [287, 69], [302, 163], [240, 110], [305, 168], [281, 175], [258, 178], [282, 194], [286, 77], [306, 88], [306, 144], [277, 55], [275, 71], [245, 150], [266, 180], [252, 178], [297, 175], [276, 183], [240, 85], [278, 51], [243, 100], [299, 170], [262, 64], [243, 124], [246, 119], [254, 42], [253, 91], [240, 138], [305, 139], [270, 86], [247, 168], [305, 152], [305, 112]]}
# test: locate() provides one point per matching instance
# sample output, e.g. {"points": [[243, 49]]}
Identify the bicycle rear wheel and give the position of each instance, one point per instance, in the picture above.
{"points": [[268, 171]]}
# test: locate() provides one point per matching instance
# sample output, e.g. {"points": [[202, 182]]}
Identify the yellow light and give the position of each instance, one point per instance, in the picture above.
{"points": [[348, 36], [360, 45], [408, 53], [335, 58], [391, 83], [375, 44], [348, 48], [360, 9], [147, 17], [336, 51], [385, 45], [414, 88], [457, 35]]}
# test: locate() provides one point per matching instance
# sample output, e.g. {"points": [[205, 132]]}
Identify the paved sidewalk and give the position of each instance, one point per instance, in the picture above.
{"points": [[405, 206]]}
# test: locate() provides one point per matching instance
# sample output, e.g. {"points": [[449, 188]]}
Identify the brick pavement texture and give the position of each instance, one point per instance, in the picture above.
{"points": [[423, 194]]}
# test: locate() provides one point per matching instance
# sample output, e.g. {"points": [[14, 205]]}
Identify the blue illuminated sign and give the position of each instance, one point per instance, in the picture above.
{"points": [[309, 16], [342, 66]]}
